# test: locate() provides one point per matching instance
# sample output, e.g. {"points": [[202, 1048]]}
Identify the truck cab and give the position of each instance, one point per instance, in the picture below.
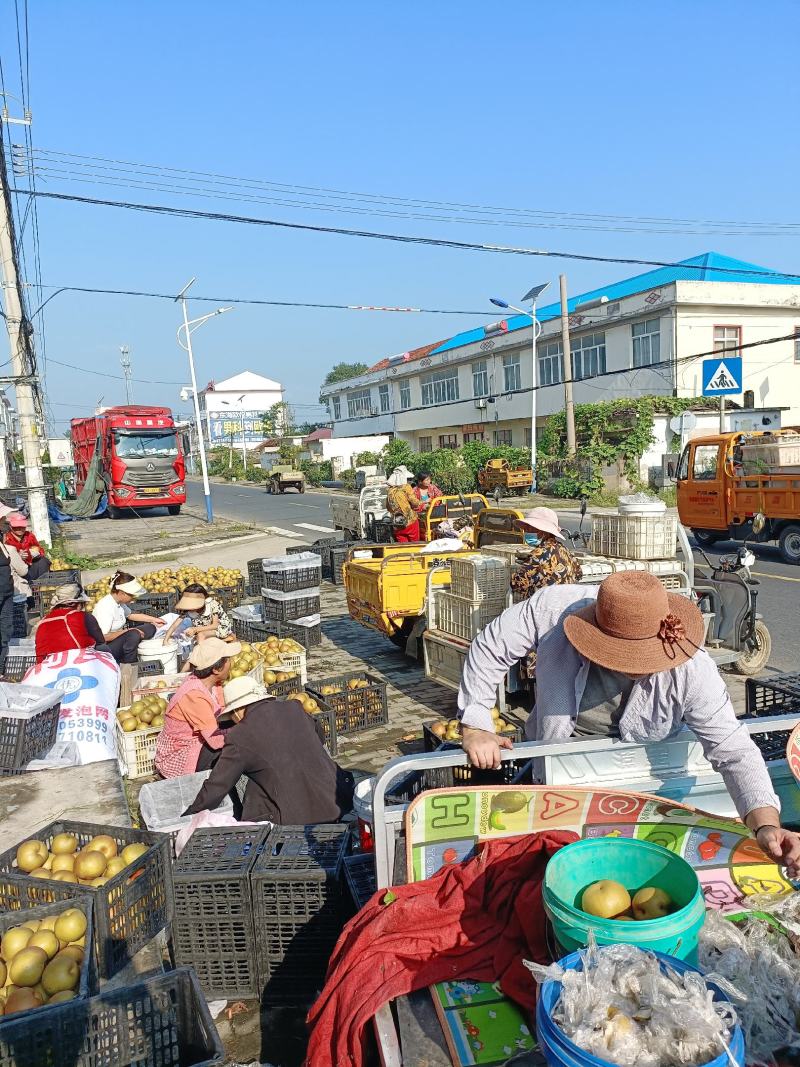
{"points": [[724, 480]]}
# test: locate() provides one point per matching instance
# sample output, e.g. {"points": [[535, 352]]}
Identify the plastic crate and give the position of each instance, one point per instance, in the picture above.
{"points": [[634, 536], [285, 607], [293, 550], [148, 669], [359, 873], [338, 556], [230, 596], [20, 623], [149, 686], [161, 1021], [325, 722], [136, 751], [300, 571], [778, 695], [17, 664], [307, 631], [28, 724], [213, 927], [254, 580], [479, 578], [356, 710], [444, 658], [129, 910], [87, 984], [44, 589], [297, 904], [156, 604], [516, 731], [465, 618], [248, 625], [512, 772]]}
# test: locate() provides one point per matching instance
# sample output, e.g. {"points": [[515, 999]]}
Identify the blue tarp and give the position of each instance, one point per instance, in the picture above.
{"points": [[60, 516]]}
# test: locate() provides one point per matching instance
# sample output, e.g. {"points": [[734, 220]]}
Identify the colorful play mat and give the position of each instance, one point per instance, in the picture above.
{"points": [[444, 826]]}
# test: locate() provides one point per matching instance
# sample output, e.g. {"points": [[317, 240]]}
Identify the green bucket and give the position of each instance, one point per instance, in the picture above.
{"points": [[635, 864]]}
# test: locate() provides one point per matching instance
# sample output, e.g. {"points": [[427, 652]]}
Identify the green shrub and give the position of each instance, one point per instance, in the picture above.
{"points": [[317, 473], [348, 478], [366, 459]]}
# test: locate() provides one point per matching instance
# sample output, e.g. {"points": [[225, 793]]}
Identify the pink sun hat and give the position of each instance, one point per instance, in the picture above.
{"points": [[543, 520]]}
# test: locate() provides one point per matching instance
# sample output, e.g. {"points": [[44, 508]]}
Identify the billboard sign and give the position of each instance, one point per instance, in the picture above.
{"points": [[224, 425], [60, 452]]}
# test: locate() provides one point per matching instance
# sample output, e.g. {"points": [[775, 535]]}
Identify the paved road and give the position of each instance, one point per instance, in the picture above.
{"points": [[306, 516]]}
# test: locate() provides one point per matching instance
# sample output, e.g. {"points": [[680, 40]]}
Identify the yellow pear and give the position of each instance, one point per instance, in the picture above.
{"points": [[64, 843], [47, 940], [27, 966], [105, 844], [64, 861], [61, 974], [31, 854], [14, 941], [70, 925], [133, 852]]}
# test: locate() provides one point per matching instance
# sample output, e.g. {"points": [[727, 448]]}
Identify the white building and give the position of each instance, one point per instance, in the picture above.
{"points": [[636, 337], [236, 407], [341, 451]]}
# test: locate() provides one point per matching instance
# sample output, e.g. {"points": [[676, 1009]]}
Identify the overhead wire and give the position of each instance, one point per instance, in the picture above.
{"points": [[436, 242]]}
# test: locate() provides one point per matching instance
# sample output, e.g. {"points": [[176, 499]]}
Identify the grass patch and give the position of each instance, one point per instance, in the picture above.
{"points": [[83, 563]]}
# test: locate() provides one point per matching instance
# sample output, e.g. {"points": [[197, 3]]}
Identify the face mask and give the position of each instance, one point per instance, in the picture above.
{"points": [[531, 539]]}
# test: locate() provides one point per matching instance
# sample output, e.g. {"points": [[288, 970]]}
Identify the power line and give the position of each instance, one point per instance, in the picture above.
{"points": [[435, 242], [116, 377], [373, 201]]}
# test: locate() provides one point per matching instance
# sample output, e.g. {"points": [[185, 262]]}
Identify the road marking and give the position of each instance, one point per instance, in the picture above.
{"points": [[316, 507], [284, 533], [775, 577], [311, 526]]}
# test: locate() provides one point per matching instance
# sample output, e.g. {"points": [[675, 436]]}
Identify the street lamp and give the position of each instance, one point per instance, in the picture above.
{"points": [[532, 295], [240, 402], [189, 326]]}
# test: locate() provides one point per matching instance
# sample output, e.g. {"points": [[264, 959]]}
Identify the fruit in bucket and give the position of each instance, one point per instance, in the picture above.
{"points": [[606, 899], [651, 903]]}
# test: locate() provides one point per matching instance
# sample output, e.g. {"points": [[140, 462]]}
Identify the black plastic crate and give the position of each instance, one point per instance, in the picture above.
{"points": [[156, 604], [382, 531], [338, 556], [44, 589], [290, 579], [161, 1021], [293, 550], [213, 927], [515, 731], [307, 636], [22, 740], [356, 709], [145, 669], [288, 610], [20, 624], [230, 596], [511, 772], [17, 665], [772, 745], [280, 690], [777, 695], [359, 873], [255, 576], [297, 902], [129, 910]]}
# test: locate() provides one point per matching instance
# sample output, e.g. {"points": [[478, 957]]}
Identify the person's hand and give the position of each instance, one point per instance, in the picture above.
{"points": [[159, 622], [36, 552], [483, 748], [781, 845]]}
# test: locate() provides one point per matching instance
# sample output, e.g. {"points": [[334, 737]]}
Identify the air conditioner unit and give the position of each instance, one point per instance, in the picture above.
{"points": [[481, 403]]}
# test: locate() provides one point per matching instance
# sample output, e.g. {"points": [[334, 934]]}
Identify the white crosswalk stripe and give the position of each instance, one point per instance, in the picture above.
{"points": [[284, 533], [311, 526]]}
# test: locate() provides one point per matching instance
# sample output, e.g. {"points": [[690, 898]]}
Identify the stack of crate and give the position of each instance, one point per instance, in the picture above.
{"points": [[290, 593], [478, 593]]}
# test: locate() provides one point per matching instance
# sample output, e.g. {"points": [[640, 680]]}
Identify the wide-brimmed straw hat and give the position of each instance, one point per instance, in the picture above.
{"points": [[636, 626], [71, 593], [543, 520], [190, 602], [239, 692]]}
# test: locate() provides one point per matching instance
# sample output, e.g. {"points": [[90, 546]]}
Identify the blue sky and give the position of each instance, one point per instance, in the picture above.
{"points": [[682, 110]]}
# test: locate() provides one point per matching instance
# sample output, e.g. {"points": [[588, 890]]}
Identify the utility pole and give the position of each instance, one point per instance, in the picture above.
{"points": [[125, 360], [22, 367], [569, 407]]}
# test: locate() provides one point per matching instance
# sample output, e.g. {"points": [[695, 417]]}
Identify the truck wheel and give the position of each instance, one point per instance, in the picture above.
{"points": [[755, 659], [302, 489], [174, 509], [789, 544], [706, 538]]}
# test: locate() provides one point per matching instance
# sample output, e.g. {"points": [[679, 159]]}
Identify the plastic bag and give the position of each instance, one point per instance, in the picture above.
{"points": [[759, 961], [625, 1009]]}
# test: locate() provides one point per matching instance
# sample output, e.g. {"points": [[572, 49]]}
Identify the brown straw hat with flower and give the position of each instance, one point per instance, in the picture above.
{"points": [[636, 626]]}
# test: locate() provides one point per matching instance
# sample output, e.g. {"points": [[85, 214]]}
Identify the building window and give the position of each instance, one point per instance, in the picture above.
{"points": [[359, 403], [503, 437], [646, 342], [551, 363], [480, 379], [475, 436], [425, 444], [337, 407], [528, 437], [512, 382], [588, 355], [448, 440], [383, 396], [440, 387], [728, 339], [405, 395]]}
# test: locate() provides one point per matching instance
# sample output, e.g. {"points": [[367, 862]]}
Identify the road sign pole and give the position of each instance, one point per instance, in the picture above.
{"points": [[722, 414]]}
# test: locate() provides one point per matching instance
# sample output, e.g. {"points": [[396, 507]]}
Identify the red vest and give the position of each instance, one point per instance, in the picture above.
{"points": [[60, 630]]}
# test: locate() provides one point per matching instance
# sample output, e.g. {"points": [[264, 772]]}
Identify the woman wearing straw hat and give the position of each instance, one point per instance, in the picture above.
{"points": [[67, 625], [403, 506], [623, 659], [291, 779]]}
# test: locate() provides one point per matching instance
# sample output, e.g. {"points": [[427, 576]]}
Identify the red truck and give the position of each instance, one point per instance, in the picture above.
{"points": [[141, 461]]}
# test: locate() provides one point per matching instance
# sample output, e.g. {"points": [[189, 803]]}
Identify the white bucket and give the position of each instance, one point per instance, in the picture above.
{"points": [[158, 651]]}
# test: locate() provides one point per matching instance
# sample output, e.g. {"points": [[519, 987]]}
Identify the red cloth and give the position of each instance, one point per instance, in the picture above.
{"points": [[24, 545], [474, 920], [60, 630], [408, 533]]}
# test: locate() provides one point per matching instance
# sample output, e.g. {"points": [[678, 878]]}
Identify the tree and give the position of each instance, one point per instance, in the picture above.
{"points": [[278, 421], [340, 372]]}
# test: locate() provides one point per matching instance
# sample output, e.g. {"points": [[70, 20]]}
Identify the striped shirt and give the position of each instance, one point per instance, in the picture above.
{"points": [[658, 706]]}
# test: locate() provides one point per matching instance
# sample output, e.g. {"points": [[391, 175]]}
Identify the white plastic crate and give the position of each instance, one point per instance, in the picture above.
{"points": [[136, 751], [148, 685], [465, 618], [444, 659], [771, 455], [634, 537], [504, 552], [479, 577]]}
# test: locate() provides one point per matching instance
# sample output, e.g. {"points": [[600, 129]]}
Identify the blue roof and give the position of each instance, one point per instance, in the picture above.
{"points": [[708, 267]]}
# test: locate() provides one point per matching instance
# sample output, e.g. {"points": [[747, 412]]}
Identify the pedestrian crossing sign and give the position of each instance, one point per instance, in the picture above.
{"points": [[722, 376]]}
